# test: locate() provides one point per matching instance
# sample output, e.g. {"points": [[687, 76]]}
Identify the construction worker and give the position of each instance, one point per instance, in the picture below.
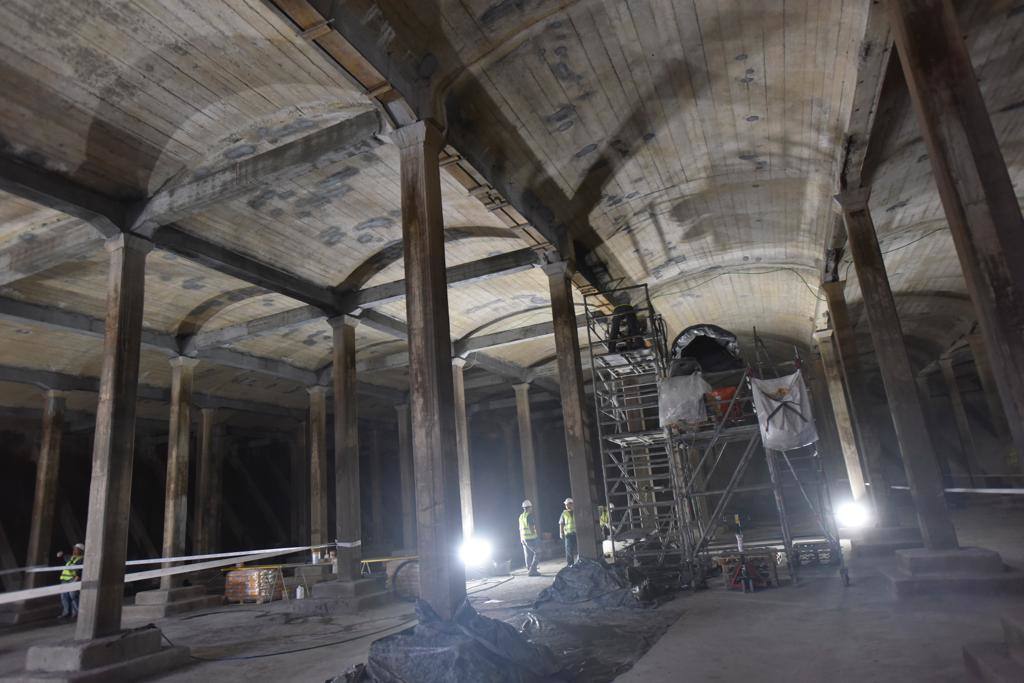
{"points": [[567, 532], [603, 520], [528, 537], [69, 600]]}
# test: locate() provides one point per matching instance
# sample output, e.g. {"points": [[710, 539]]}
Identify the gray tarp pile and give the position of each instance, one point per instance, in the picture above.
{"points": [[471, 648], [588, 580]]}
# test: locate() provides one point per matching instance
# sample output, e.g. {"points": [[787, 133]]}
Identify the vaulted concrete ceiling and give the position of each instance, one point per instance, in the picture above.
{"points": [[693, 146]]}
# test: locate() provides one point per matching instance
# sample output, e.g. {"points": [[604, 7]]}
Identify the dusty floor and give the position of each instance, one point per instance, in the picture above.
{"points": [[814, 631]]}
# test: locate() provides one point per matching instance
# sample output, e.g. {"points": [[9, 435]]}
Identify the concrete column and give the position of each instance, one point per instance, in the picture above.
{"points": [[376, 488], [919, 460], [570, 378], [208, 490], [347, 506], [526, 451], [462, 439], [318, 532], [844, 423], [983, 367], [44, 504], [299, 486], [847, 355], [513, 462], [963, 426], [106, 536], [408, 482], [974, 184], [431, 395], [176, 485]]}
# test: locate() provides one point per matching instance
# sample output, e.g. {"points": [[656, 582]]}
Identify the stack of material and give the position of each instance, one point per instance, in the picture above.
{"points": [[253, 585]]}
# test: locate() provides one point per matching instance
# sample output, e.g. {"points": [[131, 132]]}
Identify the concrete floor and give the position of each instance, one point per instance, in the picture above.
{"points": [[814, 631], [819, 630]]}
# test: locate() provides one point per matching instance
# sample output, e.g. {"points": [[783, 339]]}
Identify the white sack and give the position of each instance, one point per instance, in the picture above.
{"points": [[681, 400], [784, 412]]}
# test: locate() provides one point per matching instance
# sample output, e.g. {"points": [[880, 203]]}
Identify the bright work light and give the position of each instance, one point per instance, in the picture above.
{"points": [[475, 552], [852, 515]]}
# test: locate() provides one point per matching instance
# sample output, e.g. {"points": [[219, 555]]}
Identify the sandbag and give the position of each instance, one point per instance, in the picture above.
{"points": [[784, 412]]}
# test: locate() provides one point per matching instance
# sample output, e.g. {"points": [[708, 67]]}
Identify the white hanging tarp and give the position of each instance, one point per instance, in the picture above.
{"points": [[681, 400], [784, 412]]}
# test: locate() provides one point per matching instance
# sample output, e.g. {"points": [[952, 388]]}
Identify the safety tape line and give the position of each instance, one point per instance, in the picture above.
{"points": [[1007, 492], [30, 593], [181, 558], [353, 544]]}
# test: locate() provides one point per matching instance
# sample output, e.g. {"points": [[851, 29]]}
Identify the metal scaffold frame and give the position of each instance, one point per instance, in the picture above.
{"points": [[662, 512]]}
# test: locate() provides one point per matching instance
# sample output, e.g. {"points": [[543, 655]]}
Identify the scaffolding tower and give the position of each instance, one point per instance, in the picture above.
{"points": [[674, 495]]}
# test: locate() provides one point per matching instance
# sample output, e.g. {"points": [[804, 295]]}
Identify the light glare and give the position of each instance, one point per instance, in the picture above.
{"points": [[475, 552], [852, 515]]}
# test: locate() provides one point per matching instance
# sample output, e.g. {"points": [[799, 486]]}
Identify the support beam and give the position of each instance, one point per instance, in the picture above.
{"points": [[988, 384], [439, 523], [919, 460], [318, 468], [54, 191], [406, 477], [506, 337], [570, 374], [963, 426], [44, 503], [974, 185], [462, 443], [348, 511], [340, 141], [844, 423], [859, 406], [526, 452], [106, 535], [275, 323], [176, 485], [475, 271]]}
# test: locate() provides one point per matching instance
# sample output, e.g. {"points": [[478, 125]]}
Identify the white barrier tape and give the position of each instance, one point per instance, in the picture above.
{"points": [[19, 596], [352, 544], [182, 558]]}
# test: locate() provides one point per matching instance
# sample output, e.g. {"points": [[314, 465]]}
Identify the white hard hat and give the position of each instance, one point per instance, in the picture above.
{"points": [[566, 501], [80, 546], [527, 503]]}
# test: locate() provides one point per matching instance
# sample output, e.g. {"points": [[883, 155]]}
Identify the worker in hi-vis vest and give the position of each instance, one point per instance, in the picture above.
{"points": [[528, 537], [567, 532], [69, 600]]}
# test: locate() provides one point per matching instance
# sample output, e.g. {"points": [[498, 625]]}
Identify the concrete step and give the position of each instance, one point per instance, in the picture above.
{"points": [[349, 589], [38, 609], [167, 609], [903, 584], [881, 541], [992, 663], [963, 561], [160, 596]]}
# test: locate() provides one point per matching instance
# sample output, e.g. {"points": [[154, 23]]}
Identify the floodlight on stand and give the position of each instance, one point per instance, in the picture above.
{"points": [[476, 552], [853, 515]]}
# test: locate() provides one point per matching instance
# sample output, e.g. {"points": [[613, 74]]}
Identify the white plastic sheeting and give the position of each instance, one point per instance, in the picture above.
{"points": [[681, 400], [784, 412]]}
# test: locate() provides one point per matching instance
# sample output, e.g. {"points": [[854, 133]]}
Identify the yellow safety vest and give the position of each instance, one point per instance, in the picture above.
{"points": [[568, 522], [526, 531], [69, 574], [603, 515]]}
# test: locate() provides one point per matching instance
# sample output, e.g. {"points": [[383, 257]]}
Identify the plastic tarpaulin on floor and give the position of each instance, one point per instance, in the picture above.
{"points": [[784, 412]]}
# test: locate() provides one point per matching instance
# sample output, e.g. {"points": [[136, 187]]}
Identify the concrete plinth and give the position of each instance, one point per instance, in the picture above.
{"points": [[977, 571], [130, 655], [339, 597], [998, 662], [879, 541], [28, 611], [161, 603]]}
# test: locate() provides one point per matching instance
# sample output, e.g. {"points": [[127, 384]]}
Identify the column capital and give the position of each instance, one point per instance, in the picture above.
{"points": [[521, 388], [855, 199], [344, 320], [459, 362], [402, 409], [316, 390], [422, 133], [564, 269], [184, 362], [127, 240], [55, 394], [823, 336]]}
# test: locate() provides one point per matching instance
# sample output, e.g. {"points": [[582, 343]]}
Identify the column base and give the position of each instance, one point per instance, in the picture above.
{"points": [[163, 603], [883, 540], [129, 655], [343, 597], [37, 609], [974, 571]]}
